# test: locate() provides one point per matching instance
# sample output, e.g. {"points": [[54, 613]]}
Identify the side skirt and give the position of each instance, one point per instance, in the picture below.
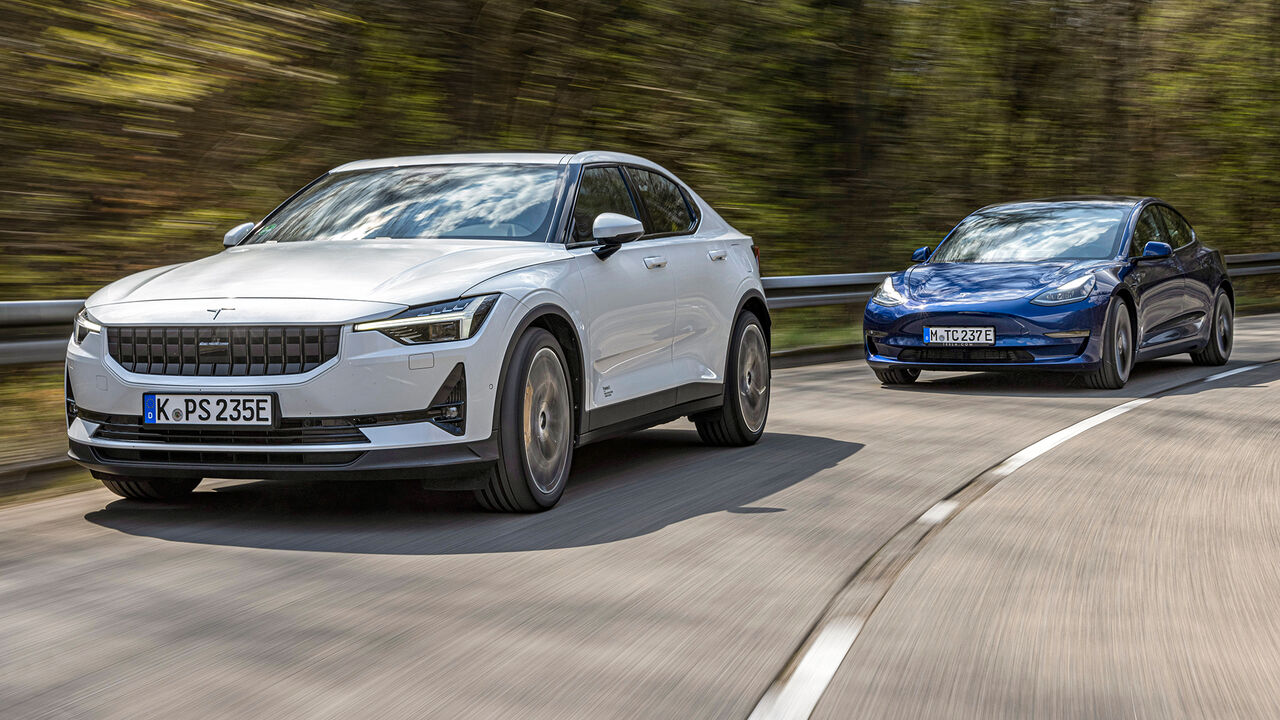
{"points": [[650, 410]]}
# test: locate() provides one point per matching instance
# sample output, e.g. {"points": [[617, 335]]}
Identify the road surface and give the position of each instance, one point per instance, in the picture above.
{"points": [[1126, 571]]}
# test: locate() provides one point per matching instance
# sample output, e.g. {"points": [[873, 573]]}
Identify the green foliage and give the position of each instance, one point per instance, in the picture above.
{"points": [[841, 133]]}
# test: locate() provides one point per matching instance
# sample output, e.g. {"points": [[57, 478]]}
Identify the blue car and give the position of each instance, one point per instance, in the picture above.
{"points": [[1089, 285]]}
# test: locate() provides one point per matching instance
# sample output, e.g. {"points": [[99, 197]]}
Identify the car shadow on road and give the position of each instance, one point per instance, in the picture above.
{"points": [[621, 488]]}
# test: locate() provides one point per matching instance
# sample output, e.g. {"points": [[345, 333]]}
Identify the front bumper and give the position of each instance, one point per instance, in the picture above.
{"points": [[376, 389], [894, 336]]}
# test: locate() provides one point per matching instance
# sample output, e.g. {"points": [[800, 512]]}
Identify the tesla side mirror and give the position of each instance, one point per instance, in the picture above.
{"points": [[613, 229], [1155, 250], [921, 254], [236, 234]]}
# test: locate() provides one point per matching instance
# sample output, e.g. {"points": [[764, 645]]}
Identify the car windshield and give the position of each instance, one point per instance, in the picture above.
{"points": [[509, 202], [1035, 233]]}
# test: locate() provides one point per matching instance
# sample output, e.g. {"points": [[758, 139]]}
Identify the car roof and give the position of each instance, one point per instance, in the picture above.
{"points": [[512, 158], [1094, 200]]}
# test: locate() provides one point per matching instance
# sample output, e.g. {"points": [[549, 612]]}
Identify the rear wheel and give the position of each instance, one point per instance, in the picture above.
{"points": [[740, 420], [896, 376], [1221, 334], [1117, 349], [149, 489], [535, 434]]}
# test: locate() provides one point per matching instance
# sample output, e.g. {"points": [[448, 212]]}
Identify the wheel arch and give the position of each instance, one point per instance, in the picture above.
{"points": [[755, 301], [1131, 304], [555, 320]]}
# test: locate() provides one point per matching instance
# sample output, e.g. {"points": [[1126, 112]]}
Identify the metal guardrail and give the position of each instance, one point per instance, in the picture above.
{"points": [[36, 331]]}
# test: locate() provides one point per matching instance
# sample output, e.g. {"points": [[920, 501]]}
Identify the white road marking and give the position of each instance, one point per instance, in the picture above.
{"points": [[797, 695], [1032, 452], [1229, 373], [938, 512]]}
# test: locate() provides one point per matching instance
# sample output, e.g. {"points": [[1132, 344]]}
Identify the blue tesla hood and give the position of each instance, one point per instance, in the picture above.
{"points": [[984, 282]]}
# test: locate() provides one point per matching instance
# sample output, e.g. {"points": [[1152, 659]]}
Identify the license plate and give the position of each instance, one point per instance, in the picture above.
{"points": [[158, 409], [960, 335]]}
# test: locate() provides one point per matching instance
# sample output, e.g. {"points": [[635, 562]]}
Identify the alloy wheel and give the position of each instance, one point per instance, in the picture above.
{"points": [[546, 415], [753, 377]]}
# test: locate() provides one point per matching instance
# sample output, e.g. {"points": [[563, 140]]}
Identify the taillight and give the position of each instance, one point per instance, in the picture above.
{"points": [[755, 250]]}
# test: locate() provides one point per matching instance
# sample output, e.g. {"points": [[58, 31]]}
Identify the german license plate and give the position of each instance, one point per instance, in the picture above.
{"points": [[164, 409], [960, 335]]}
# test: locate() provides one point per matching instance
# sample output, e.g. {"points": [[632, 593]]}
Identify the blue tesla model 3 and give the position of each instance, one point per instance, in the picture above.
{"points": [[1089, 285]]}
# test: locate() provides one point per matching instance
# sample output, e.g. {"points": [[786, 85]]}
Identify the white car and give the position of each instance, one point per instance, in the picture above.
{"points": [[463, 320]]}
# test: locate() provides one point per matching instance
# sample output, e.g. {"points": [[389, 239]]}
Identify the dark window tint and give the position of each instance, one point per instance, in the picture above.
{"points": [[1178, 229], [600, 190], [668, 211], [1147, 230]]}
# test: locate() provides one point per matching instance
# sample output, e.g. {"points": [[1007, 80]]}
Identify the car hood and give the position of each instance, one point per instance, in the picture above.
{"points": [[985, 282], [390, 271]]}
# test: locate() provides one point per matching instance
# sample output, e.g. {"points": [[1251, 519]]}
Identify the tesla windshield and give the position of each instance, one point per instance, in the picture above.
{"points": [[510, 202], [1034, 234]]}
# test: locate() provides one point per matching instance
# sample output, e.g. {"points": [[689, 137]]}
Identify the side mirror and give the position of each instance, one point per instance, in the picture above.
{"points": [[921, 254], [237, 233], [613, 229], [1155, 250]]}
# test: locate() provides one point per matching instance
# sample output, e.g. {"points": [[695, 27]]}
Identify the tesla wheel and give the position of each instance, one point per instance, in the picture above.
{"points": [[1117, 349], [149, 489], [897, 376], [1221, 335], [740, 419], [535, 443]]}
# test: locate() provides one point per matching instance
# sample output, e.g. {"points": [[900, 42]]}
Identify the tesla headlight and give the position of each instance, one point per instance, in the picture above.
{"points": [[1070, 292], [887, 294], [84, 326], [441, 322]]}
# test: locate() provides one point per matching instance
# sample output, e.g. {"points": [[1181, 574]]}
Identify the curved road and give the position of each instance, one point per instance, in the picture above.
{"points": [[1127, 571]]}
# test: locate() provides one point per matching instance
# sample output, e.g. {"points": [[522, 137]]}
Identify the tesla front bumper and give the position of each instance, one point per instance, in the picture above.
{"points": [[1027, 336], [371, 412]]}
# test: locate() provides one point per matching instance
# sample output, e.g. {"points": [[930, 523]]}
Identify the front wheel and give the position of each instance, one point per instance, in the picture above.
{"points": [[740, 419], [149, 489], [535, 433], [1117, 349], [1221, 334]]}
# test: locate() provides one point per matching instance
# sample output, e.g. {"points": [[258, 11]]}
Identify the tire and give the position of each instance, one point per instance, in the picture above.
{"points": [[1118, 345], [1221, 334], [897, 376], [149, 489], [741, 418], [535, 430]]}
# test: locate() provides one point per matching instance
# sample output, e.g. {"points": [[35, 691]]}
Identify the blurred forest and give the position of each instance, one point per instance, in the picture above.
{"points": [[839, 133]]}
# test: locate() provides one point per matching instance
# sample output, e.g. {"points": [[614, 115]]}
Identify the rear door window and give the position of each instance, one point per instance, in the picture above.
{"points": [[668, 210]]}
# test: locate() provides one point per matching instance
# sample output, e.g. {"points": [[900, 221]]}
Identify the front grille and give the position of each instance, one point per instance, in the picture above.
{"points": [[965, 355], [203, 457], [233, 350]]}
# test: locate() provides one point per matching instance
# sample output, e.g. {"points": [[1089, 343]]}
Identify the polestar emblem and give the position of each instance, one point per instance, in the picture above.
{"points": [[215, 311]]}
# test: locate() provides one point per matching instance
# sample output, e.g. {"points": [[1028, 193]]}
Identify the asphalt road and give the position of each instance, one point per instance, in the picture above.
{"points": [[1128, 571]]}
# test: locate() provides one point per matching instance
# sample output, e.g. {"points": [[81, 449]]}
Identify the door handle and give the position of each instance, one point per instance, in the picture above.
{"points": [[717, 255], [655, 262]]}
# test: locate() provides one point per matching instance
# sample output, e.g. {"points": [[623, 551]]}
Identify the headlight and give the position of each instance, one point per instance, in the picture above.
{"points": [[1074, 291], [84, 326], [887, 294], [442, 322]]}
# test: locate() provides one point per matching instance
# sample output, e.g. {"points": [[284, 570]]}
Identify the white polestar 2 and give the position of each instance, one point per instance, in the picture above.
{"points": [[462, 320]]}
